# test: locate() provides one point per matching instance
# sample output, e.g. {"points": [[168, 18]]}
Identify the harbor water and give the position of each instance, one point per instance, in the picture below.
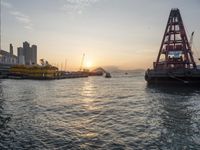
{"points": [[121, 112]]}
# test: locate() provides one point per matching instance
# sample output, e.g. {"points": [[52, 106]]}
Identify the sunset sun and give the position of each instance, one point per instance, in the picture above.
{"points": [[88, 64]]}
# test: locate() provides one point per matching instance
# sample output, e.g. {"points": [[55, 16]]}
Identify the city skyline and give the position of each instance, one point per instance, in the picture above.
{"points": [[126, 34]]}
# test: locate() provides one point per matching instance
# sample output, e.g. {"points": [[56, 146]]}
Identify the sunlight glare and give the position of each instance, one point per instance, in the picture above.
{"points": [[88, 64]]}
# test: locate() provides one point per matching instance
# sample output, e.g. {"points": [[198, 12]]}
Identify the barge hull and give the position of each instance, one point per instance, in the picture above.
{"points": [[174, 80], [182, 76]]}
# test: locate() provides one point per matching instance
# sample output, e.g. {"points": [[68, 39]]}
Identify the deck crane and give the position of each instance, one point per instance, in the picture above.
{"points": [[191, 42]]}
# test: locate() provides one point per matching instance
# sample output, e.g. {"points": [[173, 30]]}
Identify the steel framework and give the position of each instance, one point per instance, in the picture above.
{"points": [[175, 51]]}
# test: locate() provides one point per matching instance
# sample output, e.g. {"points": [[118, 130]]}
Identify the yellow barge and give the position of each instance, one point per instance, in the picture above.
{"points": [[34, 72]]}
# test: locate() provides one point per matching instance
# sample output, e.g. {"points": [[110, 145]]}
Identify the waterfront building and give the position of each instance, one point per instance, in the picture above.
{"points": [[11, 49], [34, 54], [8, 57], [20, 55], [27, 55]]}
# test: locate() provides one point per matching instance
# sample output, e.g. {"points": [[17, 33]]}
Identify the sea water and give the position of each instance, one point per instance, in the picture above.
{"points": [[98, 113]]}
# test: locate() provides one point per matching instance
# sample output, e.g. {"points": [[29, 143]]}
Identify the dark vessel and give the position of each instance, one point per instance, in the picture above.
{"points": [[108, 75], [175, 62]]}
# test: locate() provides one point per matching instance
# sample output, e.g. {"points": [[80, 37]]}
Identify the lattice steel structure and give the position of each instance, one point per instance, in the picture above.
{"points": [[175, 51]]}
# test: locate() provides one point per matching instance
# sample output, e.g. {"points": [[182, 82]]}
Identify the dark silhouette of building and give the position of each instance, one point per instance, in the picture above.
{"points": [[11, 49], [27, 55], [20, 55], [34, 54]]}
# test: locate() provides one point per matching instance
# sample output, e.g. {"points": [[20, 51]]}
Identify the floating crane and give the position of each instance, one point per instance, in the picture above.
{"points": [[191, 41], [175, 47], [175, 62]]}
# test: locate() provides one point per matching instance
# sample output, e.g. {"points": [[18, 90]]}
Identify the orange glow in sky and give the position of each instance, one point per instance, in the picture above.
{"points": [[111, 33], [88, 64]]}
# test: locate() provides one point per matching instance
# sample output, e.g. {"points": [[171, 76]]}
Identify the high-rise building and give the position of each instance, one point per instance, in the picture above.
{"points": [[11, 49], [20, 55], [29, 53], [34, 54]]}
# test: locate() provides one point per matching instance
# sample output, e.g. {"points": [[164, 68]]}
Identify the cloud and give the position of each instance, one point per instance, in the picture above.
{"points": [[19, 16], [28, 27], [4, 3], [24, 19], [77, 6]]}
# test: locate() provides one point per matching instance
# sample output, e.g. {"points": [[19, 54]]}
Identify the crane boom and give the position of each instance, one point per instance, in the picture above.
{"points": [[82, 61], [191, 39]]}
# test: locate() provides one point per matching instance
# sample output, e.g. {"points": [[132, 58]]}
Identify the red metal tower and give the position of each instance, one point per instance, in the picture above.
{"points": [[175, 51]]}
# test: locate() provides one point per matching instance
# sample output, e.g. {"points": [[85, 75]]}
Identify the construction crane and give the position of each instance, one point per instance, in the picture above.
{"points": [[82, 61], [65, 64], [191, 40]]}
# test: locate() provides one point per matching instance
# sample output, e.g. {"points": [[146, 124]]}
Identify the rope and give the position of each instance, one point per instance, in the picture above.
{"points": [[186, 82]]}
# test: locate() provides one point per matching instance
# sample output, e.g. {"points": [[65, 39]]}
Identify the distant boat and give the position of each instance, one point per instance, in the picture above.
{"points": [[126, 73], [108, 75], [77, 74]]}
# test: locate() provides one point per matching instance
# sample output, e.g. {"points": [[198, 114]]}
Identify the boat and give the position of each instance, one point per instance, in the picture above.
{"points": [[33, 72], [107, 75], [175, 63], [75, 74]]}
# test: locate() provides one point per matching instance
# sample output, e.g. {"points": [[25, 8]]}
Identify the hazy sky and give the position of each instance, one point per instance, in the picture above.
{"points": [[123, 33]]}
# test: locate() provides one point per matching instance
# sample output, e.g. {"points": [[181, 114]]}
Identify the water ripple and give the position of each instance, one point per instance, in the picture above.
{"points": [[94, 113]]}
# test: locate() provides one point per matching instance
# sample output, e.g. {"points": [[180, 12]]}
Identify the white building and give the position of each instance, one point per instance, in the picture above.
{"points": [[7, 58]]}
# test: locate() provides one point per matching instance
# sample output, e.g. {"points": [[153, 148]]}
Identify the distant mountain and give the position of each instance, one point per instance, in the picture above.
{"points": [[115, 69], [99, 69]]}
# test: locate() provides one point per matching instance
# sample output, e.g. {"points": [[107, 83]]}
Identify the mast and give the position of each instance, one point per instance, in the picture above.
{"points": [[175, 50]]}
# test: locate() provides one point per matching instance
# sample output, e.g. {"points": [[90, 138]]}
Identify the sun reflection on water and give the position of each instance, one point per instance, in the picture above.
{"points": [[89, 92]]}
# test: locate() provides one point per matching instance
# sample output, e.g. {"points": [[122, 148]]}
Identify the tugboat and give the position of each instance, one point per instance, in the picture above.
{"points": [[175, 62], [108, 75]]}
